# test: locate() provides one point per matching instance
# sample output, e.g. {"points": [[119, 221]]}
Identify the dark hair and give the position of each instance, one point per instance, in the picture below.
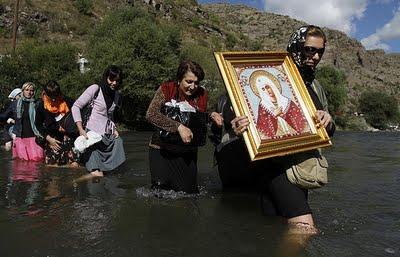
{"points": [[52, 89], [316, 32], [188, 65], [113, 72]]}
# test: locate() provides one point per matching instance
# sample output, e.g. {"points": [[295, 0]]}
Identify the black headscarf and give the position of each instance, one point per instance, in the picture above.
{"points": [[108, 93], [112, 72], [296, 48]]}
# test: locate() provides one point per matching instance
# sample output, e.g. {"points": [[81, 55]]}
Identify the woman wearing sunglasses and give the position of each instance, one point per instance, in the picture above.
{"points": [[279, 196], [306, 46]]}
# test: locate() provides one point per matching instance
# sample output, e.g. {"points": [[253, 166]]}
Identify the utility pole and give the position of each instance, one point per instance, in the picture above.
{"points": [[15, 25]]}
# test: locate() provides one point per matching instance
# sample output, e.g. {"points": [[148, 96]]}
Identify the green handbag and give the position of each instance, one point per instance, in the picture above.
{"points": [[308, 170]]}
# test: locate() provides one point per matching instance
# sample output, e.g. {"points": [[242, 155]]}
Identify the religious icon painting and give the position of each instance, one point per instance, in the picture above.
{"points": [[268, 89]]}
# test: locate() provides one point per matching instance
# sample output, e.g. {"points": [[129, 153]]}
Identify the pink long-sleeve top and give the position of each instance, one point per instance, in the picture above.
{"points": [[99, 121]]}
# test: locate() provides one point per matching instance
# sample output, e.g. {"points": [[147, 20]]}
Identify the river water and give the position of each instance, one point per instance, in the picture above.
{"points": [[43, 213]]}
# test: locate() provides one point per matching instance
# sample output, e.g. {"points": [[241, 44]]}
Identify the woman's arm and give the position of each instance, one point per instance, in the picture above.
{"points": [[40, 119], [240, 125], [43, 128], [155, 117], [80, 103], [324, 119], [8, 113]]}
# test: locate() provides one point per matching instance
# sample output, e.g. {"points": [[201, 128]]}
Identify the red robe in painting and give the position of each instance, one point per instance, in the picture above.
{"points": [[267, 123]]}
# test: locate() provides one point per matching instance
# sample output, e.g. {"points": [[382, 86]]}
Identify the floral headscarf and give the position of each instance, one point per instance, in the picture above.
{"points": [[296, 49]]}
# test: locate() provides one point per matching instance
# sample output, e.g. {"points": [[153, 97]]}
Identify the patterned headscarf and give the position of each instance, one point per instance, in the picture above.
{"points": [[296, 49]]}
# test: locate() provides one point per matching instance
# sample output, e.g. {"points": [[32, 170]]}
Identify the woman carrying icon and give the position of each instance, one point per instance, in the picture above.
{"points": [[279, 196]]}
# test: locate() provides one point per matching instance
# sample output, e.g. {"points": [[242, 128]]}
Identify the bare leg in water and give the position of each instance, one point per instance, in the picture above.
{"points": [[74, 165], [299, 233], [303, 224], [95, 174]]}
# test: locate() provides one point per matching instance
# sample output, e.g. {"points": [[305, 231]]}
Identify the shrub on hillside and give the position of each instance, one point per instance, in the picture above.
{"points": [[84, 6], [380, 109], [334, 83], [31, 29], [231, 41]]}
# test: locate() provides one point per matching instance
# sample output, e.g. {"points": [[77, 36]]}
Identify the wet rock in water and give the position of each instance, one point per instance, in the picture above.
{"points": [[335, 222], [390, 250]]}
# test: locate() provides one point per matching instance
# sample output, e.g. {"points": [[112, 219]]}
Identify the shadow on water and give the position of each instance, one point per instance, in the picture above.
{"points": [[43, 213]]}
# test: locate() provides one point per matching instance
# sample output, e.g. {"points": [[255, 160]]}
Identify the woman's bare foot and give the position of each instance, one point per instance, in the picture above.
{"points": [[92, 175], [8, 146], [97, 173], [74, 165], [82, 178]]}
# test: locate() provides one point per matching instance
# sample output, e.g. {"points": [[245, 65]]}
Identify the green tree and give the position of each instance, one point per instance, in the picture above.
{"points": [[38, 63], [231, 41], [31, 29], [146, 50], [84, 6], [380, 109], [334, 83]]}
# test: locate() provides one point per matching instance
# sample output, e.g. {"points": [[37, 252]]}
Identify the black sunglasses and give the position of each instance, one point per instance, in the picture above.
{"points": [[313, 50]]}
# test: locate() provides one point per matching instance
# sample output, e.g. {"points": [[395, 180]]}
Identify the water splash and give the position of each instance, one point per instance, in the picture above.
{"points": [[167, 194]]}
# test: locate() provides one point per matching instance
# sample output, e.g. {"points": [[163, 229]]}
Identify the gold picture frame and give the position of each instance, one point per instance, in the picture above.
{"points": [[268, 89]]}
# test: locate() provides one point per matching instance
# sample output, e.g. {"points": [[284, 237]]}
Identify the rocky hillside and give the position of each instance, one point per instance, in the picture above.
{"points": [[215, 26], [364, 69]]}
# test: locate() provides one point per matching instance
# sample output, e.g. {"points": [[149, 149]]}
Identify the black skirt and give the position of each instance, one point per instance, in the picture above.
{"points": [[268, 177], [282, 198], [173, 171]]}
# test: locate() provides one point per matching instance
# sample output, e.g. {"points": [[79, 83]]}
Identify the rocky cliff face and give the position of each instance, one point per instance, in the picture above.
{"points": [[364, 69], [212, 25]]}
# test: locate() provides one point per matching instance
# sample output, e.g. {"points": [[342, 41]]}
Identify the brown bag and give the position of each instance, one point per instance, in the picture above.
{"points": [[308, 170]]}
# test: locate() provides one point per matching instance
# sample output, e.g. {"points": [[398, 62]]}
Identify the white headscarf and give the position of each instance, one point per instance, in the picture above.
{"points": [[282, 101], [14, 93]]}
